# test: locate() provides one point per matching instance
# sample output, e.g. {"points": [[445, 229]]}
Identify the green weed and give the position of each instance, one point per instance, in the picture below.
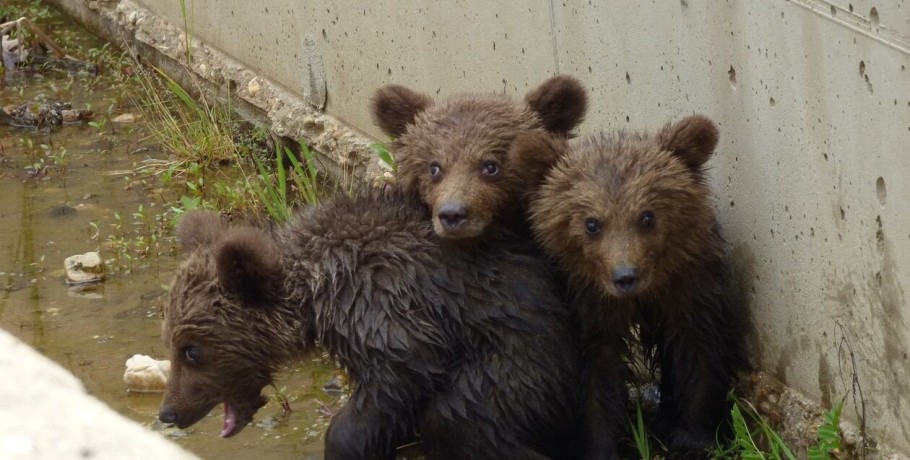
{"points": [[142, 241], [753, 437], [640, 435], [829, 439], [384, 155], [189, 130], [749, 443], [187, 28], [277, 196]]}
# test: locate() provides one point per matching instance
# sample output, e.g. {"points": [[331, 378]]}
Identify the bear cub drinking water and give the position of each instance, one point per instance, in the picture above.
{"points": [[472, 349]]}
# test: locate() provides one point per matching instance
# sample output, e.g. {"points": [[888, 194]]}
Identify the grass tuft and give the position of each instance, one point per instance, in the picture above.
{"points": [[277, 196]]}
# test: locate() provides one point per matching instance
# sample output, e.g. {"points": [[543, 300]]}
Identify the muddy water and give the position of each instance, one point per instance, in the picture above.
{"points": [[51, 208]]}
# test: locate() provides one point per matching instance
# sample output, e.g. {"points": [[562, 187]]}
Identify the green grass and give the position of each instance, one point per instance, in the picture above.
{"points": [[219, 166], [296, 184], [187, 28], [640, 435], [190, 130], [753, 437]]}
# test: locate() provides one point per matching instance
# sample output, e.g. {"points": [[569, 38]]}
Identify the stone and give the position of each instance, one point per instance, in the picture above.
{"points": [[145, 374], [124, 118], [84, 268], [253, 86], [75, 115]]}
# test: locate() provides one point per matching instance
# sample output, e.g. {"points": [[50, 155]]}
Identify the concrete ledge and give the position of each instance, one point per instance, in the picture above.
{"points": [[45, 413]]}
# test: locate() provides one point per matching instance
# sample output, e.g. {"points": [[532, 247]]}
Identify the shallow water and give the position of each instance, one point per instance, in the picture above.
{"points": [[53, 208]]}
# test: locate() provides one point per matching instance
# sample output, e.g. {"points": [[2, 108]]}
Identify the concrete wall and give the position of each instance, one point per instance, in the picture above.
{"points": [[812, 175]]}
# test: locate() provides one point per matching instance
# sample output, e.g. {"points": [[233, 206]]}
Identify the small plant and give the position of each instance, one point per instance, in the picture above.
{"points": [[759, 443], [191, 131], [829, 441], [142, 240], [384, 155], [118, 244], [99, 125], [274, 195], [187, 28], [640, 435], [186, 205], [282, 397], [60, 159]]}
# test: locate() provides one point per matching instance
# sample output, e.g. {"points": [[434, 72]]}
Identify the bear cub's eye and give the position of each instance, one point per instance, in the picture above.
{"points": [[647, 220], [435, 170], [489, 169], [191, 354], [592, 226]]}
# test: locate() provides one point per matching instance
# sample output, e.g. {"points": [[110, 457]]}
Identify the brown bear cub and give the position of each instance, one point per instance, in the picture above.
{"points": [[456, 152], [474, 350], [630, 219]]}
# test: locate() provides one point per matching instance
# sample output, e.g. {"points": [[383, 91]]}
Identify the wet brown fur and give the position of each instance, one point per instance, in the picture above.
{"points": [[462, 133], [681, 300], [473, 349]]}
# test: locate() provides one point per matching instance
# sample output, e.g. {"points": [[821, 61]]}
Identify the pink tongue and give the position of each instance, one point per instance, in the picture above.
{"points": [[230, 421]]}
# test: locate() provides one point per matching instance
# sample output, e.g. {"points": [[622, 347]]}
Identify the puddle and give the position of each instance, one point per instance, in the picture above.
{"points": [[59, 193]]}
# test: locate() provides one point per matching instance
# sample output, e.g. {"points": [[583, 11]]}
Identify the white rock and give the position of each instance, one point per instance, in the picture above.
{"points": [[253, 86], [124, 118], [146, 375], [84, 268]]}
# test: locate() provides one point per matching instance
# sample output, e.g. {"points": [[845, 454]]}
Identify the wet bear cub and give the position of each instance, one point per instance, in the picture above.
{"points": [[629, 216], [456, 151], [474, 350]]}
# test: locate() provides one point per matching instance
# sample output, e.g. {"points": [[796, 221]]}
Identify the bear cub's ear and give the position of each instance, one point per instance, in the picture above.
{"points": [[693, 139], [395, 107], [249, 266], [560, 102], [197, 228], [537, 153]]}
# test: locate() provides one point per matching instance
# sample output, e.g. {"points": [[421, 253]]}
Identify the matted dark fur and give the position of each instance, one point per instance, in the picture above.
{"points": [[456, 152], [630, 218], [471, 347]]}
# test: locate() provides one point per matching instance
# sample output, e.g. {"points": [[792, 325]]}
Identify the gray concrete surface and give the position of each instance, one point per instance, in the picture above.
{"points": [[812, 175], [45, 413]]}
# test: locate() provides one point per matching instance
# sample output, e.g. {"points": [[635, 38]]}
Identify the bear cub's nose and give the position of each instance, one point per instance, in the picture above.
{"points": [[452, 215], [625, 279], [167, 415]]}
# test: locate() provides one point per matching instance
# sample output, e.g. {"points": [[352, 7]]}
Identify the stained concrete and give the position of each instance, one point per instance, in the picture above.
{"points": [[812, 97]]}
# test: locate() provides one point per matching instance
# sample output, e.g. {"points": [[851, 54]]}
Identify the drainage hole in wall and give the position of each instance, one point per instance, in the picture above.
{"points": [[873, 17], [732, 74], [880, 190], [862, 68]]}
